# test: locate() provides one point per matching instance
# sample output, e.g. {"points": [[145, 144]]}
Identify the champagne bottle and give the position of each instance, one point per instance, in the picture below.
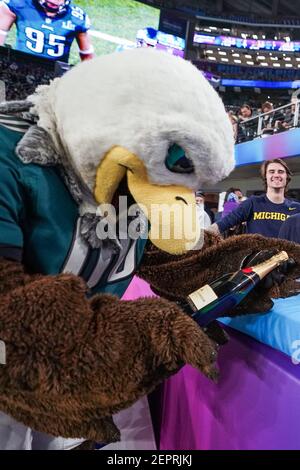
{"points": [[226, 292]]}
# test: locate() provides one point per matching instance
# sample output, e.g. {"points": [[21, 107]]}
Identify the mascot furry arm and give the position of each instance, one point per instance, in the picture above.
{"points": [[73, 360], [185, 273]]}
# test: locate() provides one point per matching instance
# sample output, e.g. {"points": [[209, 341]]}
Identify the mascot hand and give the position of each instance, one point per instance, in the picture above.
{"points": [[152, 338], [71, 362], [175, 278]]}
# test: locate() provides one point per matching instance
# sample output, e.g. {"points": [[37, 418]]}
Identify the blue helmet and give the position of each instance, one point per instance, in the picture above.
{"points": [[146, 37], [51, 8]]}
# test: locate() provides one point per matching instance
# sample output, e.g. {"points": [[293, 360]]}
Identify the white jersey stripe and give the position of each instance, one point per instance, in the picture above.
{"points": [[78, 253]]}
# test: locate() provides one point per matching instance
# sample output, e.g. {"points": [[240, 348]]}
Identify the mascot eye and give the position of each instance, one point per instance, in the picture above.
{"points": [[177, 162]]}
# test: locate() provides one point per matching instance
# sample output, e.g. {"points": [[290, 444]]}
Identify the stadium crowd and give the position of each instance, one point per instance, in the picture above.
{"points": [[22, 75], [249, 123]]}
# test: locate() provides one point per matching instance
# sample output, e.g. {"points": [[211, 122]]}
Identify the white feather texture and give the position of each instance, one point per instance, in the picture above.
{"points": [[145, 101]]}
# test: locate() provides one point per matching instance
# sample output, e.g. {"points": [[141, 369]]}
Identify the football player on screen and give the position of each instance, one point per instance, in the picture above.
{"points": [[46, 28]]}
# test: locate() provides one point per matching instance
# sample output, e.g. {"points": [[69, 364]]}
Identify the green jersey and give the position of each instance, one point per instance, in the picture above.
{"points": [[40, 223]]}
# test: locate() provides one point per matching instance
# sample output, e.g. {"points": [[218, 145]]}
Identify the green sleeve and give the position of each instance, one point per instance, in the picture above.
{"points": [[11, 208]]}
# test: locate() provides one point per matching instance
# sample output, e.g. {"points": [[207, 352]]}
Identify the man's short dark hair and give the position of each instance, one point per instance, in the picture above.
{"points": [[245, 105], [264, 167]]}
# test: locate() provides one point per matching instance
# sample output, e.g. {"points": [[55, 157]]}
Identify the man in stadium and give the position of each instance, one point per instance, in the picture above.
{"points": [[46, 28], [264, 214]]}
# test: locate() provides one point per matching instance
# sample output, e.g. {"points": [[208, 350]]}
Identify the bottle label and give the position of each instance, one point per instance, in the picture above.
{"points": [[203, 296]]}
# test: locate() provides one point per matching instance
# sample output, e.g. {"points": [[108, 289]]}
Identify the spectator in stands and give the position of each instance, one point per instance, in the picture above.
{"points": [[246, 130], [234, 121], [22, 73], [264, 214], [239, 194], [204, 217], [232, 200], [245, 112], [272, 120], [289, 119], [46, 28], [290, 229], [267, 119]]}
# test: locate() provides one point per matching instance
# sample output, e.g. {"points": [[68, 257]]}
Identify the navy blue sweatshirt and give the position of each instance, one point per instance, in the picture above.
{"points": [[290, 229], [261, 215]]}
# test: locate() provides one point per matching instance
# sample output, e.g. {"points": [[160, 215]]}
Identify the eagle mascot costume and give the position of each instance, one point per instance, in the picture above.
{"points": [[143, 127]]}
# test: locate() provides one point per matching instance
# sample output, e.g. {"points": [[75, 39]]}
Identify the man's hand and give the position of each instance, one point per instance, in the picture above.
{"points": [[214, 229]]}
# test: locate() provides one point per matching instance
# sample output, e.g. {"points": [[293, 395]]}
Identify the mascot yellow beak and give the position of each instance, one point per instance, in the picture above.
{"points": [[171, 210]]}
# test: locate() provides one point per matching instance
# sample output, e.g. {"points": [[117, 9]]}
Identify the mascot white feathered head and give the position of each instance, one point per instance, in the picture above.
{"points": [[141, 113]]}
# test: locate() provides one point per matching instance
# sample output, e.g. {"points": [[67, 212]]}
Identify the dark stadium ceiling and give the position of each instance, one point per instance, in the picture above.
{"points": [[260, 8]]}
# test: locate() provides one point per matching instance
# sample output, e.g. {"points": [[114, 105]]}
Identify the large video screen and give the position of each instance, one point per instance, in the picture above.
{"points": [[254, 44], [113, 24], [44, 38], [150, 37]]}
